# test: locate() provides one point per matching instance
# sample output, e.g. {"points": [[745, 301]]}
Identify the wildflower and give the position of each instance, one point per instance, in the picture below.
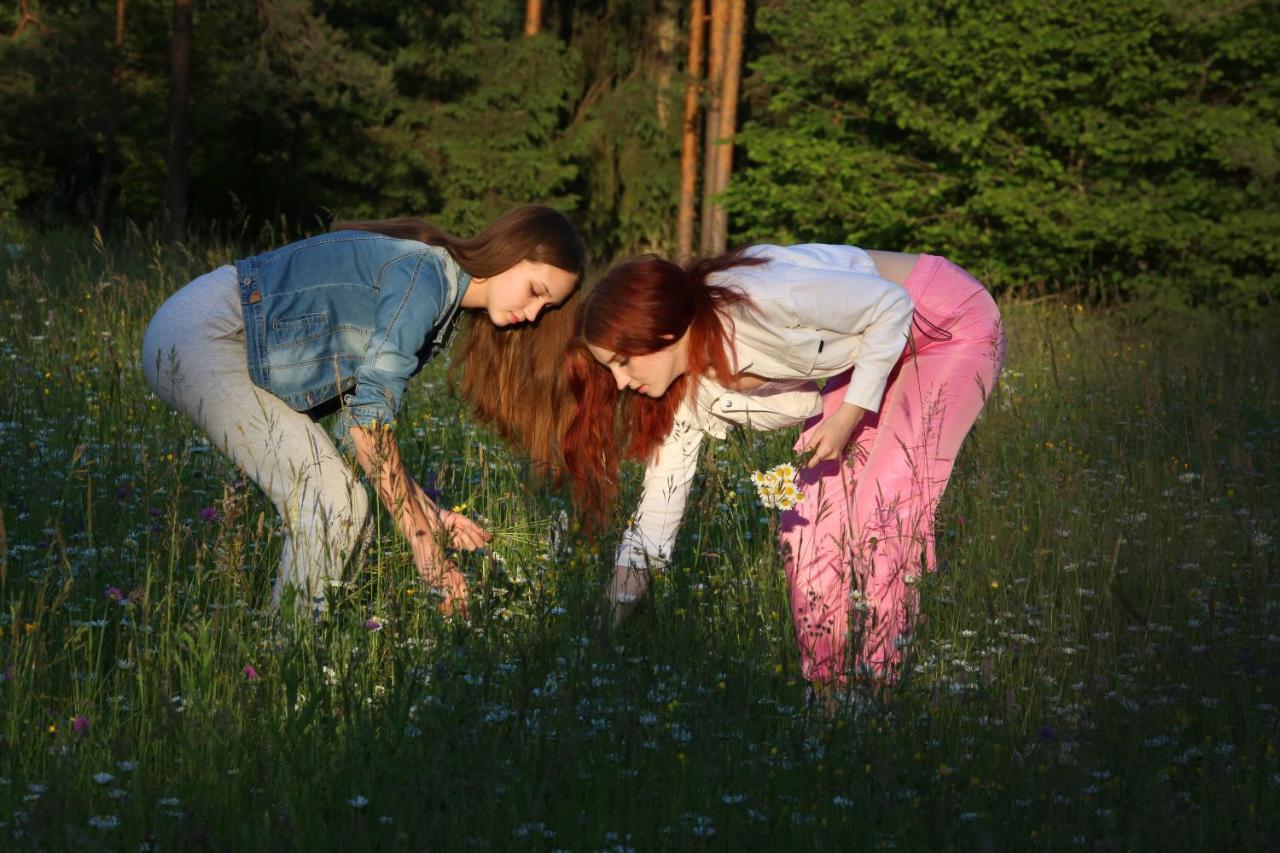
{"points": [[359, 801], [373, 623], [249, 672], [103, 778], [210, 514], [127, 766], [80, 724], [776, 487], [108, 821], [788, 496], [114, 593]]}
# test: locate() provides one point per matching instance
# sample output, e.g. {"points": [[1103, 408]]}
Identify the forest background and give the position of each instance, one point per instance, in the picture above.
{"points": [[1110, 149]]}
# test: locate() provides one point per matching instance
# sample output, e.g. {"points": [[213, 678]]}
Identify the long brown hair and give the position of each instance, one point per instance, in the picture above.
{"points": [[508, 375], [640, 306]]}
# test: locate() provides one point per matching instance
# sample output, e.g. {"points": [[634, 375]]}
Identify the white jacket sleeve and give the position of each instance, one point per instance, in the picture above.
{"points": [[835, 289], [652, 532]]}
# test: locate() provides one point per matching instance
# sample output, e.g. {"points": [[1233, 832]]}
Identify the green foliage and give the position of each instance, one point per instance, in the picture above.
{"points": [[302, 109], [496, 142], [1117, 148], [1111, 149]]}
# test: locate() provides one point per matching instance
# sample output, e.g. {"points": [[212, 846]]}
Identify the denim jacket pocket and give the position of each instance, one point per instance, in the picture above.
{"points": [[300, 321]]}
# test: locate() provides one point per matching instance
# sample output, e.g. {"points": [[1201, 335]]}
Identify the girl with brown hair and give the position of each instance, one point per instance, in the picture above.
{"points": [[253, 353]]}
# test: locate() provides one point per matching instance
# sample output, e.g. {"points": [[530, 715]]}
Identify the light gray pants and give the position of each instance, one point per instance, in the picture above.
{"points": [[193, 355]]}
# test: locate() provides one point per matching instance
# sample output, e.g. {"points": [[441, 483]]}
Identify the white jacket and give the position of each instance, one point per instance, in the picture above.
{"points": [[817, 310]]}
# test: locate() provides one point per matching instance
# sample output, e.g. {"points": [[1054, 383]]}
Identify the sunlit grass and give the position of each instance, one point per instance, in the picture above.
{"points": [[1099, 667]]}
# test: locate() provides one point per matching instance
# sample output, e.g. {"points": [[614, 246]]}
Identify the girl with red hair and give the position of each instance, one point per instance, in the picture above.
{"points": [[910, 347]]}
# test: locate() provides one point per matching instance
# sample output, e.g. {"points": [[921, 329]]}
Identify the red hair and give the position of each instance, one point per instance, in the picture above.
{"points": [[638, 307]]}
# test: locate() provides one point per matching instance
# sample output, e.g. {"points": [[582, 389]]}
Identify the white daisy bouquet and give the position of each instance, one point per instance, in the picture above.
{"points": [[777, 487]]}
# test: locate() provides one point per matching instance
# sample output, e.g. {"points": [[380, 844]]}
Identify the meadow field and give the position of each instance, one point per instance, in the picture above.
{"points": [[1099, 669]]}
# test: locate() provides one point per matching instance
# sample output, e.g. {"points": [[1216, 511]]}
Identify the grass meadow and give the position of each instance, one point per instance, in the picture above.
{"points": [[1099, 669]]}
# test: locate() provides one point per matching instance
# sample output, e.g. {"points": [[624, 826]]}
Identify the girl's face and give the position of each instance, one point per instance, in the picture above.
{"points": [[650, 374], [518, 294]]}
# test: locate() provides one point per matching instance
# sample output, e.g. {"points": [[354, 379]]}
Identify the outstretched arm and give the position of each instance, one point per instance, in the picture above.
{"points": [[648, 541], [422, 523]]}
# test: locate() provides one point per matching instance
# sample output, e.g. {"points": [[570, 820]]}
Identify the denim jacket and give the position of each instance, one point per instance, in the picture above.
{"points": [[349, 313]]}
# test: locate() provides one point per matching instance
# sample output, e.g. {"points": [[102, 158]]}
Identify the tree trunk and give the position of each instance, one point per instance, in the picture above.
{"points": [[103, 197], [27, 18], [715, 74], [665, 29], [175, 206], [689, 138], [104, 184], [728, 121], [532, 17]]}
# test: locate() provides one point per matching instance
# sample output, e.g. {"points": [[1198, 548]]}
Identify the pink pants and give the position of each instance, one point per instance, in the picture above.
{"points": [[865, 528]]}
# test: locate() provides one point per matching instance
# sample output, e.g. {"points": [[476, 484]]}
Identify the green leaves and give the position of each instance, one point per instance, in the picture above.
{"points": [[1045, 144]]}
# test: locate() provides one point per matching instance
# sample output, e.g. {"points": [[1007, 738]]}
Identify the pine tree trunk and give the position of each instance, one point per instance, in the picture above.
{"points": [[665, 28], [109, 155], [175, 207], [532, 17], [715, 74], [689, 139], [728, 121], [27, 18]]}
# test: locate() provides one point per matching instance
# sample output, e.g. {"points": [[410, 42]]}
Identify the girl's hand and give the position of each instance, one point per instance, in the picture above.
{"points": [[829, 438], [451, 584], [625, 590], [464, 532]]}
